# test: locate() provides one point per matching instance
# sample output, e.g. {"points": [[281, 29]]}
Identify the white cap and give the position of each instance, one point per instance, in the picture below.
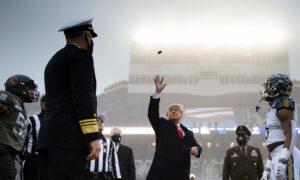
{"points": [[79, 24]]}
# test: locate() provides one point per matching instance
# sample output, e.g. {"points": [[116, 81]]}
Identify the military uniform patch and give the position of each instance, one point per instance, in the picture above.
{"points": [[234, 155], [254, 153], [286, 103]]}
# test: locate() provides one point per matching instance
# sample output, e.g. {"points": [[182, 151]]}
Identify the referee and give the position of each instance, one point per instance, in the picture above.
{"points": [[30, 153], [106, 167]]}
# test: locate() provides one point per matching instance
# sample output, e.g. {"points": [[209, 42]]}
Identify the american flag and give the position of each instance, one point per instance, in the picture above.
{"points": [[211, 113]]}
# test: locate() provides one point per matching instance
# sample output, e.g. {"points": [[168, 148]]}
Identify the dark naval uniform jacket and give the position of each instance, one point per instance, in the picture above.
{"points": [[236, 167], [70, 116], [172, 156]]}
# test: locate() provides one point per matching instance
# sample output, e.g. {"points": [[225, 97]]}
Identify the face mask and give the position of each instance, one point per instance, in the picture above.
{"points": [[116, 138], [91, 46], [242, 140]]}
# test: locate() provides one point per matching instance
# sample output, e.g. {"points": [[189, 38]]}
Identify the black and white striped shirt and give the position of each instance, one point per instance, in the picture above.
{"points": [[108, 160], [30, 144]]}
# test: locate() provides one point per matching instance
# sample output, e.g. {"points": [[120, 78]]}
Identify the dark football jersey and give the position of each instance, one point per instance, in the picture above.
{"points": [[12, 125]]}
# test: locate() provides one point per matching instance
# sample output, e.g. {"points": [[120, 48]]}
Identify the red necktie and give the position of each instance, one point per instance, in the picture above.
{"points": [[179, 132]]}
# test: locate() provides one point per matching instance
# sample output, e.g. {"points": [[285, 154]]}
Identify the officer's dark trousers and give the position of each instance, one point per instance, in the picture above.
{"points": [[7, 167], [31, 169], [63, 164]]}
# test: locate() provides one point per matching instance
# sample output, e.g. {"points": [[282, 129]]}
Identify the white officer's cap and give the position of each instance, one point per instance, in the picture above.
{"points": [[79, 25]]}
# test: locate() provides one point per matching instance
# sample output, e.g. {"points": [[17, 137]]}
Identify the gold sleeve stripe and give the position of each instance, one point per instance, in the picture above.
{"points": [[86, 124], [89, 129], [88, 120]]}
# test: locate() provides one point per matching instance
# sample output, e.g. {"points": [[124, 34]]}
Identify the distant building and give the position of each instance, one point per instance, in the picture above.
{"points": [[205, 70], [200, 77]]}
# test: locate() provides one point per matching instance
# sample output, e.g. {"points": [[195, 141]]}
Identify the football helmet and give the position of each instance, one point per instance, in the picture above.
{"points": [[22, 86], [277, 85]]}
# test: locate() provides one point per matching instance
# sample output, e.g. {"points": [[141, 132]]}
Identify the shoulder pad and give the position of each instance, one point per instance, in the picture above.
{"points": [[6, 98], [10, 101], [3, 96], [284, 103]]}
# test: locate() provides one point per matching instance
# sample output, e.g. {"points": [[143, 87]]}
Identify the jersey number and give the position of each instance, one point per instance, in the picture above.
{"points": [[19, 130]]}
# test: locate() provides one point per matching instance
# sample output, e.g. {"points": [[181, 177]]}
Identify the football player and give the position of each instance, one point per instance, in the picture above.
{"points": [[13, 120], [279, 127]]}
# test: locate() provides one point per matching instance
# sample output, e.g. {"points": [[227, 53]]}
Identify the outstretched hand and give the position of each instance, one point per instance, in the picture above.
{"points": [[159, 84]]}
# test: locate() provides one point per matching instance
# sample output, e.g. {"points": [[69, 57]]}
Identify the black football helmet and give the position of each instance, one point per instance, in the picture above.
{"points": [[277, 85], [22, 86]]}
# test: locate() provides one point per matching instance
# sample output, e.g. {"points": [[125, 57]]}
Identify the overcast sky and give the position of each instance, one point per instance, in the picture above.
{"points": [[29, 36]]}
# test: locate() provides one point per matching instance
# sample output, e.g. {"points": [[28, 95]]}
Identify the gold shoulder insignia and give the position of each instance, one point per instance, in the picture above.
{"points": [[286, 103]]}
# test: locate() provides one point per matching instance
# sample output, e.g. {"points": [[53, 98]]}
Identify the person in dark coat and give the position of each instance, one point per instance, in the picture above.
{"points": [[174, 142], [69, 134], [243, 162], [125, 154]]}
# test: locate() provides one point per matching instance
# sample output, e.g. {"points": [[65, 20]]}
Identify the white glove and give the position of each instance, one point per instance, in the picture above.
{"points": [[267, 172], [280, 165]]}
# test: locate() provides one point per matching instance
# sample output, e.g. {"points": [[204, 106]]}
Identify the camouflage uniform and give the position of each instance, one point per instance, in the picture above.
{"points": [[12, 133]]}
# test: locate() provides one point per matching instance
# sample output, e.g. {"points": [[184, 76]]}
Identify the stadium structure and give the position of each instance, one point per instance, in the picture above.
{"points": [[218, 84]]}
